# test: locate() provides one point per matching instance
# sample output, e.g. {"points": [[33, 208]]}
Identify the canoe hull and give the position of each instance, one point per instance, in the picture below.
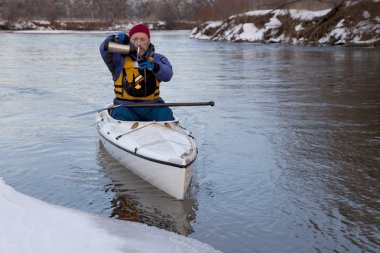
{"points": [[134, 145]]}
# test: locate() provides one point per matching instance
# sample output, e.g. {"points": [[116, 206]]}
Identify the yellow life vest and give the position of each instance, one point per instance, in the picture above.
{"points": [[136, 84]]}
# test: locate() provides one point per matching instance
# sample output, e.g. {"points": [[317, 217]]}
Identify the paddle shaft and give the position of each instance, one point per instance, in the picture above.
{"points": [[210, 103]]}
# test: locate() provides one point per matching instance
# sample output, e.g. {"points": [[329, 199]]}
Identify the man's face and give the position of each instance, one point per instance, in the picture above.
{"points": [[141, 40]]}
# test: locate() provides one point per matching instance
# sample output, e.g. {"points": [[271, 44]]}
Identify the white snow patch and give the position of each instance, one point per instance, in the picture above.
{"points": [[230, 34], [366, 14], [358, 40], [298, 28], [43, 22], [279, 39], [339, 33], [350, 3], [274, 22], [258, 13], [31, 225], [213, 24], [307, 15], [200, 34], [251, 33]]}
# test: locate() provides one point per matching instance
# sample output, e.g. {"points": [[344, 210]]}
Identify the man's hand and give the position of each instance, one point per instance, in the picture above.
{"points": [[122, 38], [146, 65]]}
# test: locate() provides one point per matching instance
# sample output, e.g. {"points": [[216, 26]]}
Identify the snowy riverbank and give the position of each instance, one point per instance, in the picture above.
{"points": [[30, 225], [350, 23]]}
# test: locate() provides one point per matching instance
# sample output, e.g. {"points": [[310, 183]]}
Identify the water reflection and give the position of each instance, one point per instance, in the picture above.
{"points": [[327, 148], [138, 201]]}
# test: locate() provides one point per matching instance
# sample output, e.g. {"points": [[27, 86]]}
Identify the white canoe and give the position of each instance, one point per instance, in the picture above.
{"points": [[161, 153]]}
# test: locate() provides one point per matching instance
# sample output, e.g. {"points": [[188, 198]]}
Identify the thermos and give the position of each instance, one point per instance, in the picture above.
{"points": [[115, 47]]}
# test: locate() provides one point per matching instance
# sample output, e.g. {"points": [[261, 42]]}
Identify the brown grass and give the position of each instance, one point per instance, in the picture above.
{"points": [[354, 13], [259, 21], [210, 31], [288, 25], [312, 5]]}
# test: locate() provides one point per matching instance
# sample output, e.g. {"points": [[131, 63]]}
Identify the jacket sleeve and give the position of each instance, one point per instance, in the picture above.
{"points": [[108, 58], [165, 72]]}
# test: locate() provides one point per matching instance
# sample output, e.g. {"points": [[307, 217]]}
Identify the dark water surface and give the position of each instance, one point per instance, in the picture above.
{"points": [[289, 158]]}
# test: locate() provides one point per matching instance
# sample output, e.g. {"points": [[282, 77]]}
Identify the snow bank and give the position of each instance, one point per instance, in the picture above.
{"points": [[233, 31], [31, 225], [339, 33], [350, 23]]}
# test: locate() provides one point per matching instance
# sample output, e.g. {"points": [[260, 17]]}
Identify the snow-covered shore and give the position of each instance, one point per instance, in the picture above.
{"points": [[351, 23], [31, 225], [89, 25]]}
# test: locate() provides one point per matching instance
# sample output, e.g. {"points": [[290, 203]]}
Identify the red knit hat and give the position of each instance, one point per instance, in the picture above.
{"points": [[140, 28]]}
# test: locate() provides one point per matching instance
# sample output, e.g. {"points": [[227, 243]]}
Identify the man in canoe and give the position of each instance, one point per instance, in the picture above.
{"points": [[137, 76]]}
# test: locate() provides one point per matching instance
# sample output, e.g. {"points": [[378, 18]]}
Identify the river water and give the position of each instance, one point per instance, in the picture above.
{"points": [[289, 158]]}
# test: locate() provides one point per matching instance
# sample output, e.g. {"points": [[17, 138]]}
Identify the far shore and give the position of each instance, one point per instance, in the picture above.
{"points": [[89, 25]]}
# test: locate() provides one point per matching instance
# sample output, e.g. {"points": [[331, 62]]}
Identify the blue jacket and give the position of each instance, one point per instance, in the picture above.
{"points": [[115, 62]]}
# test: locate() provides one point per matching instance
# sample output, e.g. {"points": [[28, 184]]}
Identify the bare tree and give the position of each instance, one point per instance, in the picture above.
{"points": [[145, 8], [111, 10], [165, 11], [119, 9], [13, 10]]}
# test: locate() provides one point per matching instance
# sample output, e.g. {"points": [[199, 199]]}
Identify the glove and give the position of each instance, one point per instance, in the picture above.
{"points": [[146, 65], [122, 38]]}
